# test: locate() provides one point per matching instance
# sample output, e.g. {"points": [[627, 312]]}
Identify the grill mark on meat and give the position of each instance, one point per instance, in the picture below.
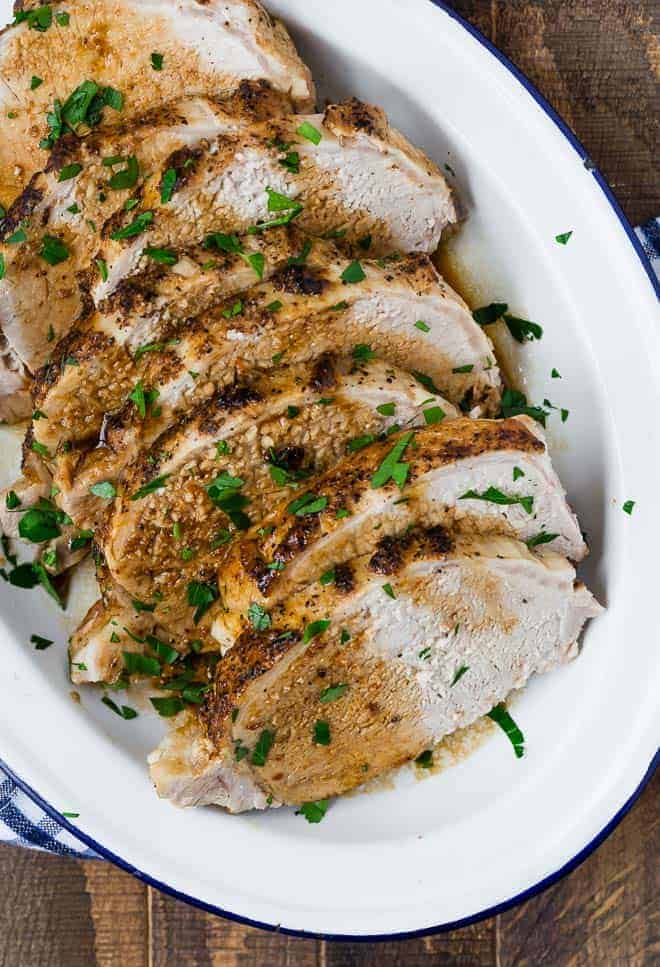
{"points": [[324, 375], [233, 398], [288, 458], [299, 280], [21, 209], [388, 556], [183, 161], [439, 540], [344, 582]]}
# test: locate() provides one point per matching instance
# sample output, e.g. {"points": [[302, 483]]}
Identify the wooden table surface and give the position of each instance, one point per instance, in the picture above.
{"points": [[598, 62]]}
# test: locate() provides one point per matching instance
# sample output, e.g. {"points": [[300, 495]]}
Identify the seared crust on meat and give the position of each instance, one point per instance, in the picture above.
{"points": [[262, 440], [206, 48]]}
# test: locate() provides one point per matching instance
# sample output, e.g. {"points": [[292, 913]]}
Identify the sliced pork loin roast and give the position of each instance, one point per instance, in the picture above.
{"points": [[402, 311], [86, 184], [98, 364], [263, 439], [303, 312], [477, 476], [221, 469], [226, 183], [350, 174], [356, 675], [145, 53]]}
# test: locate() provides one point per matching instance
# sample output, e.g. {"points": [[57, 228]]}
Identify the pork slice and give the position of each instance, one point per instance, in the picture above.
{"points": [[475, 475], [300, 314], [258, 441], [80, 192], [362, 181], [95, 368], [205, 48], [398, 666]]}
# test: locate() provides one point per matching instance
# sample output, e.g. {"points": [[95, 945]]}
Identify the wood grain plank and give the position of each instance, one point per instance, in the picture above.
{"points": [[184, 935], [607, 912], [598, 63], [471, 947], [45, 911], [118, 908]]}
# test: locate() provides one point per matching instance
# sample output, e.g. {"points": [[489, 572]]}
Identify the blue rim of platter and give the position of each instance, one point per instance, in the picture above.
{"points": [[616, 819]]}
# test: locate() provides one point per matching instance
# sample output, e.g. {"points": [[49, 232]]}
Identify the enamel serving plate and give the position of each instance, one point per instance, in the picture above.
{"points": [[415, 855]]}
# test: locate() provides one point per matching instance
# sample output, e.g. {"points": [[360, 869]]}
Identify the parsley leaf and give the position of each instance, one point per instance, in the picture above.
{"points": [[501, 716], [313, 811], [390, 468], [494, 496], [259, 617], [307, 130], [489, 314]]}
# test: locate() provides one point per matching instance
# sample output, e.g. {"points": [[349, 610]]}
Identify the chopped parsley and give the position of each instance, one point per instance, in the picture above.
{"points": [[136, 227], [321, 733], [259, 617], [224, 491], [274, 306], [53, 250], [39, 524], [69, 171], [494, 496], [363, 353], [365, 242], [35, 82], [262, 748], [489, 314], [40, 643], [313, 811], [125, 712], [167, 185], [39, 19], [2, 266], [17, 237], [102, 266], [541, 538], [201, 597], [458, 674], [353, 273], [501, 716], [555, 374], [127, 177], [518, 473], [137, 664], [232, 245], [84, 106], [141, 606], [522, 330], [333, 692], [301, 259], [514, 403], [81, 540], [307, 503], [463, 369], [169, 706], [307, 130], [62, 18], [164, 256], [563, 238], [157, 61], [628, 507], [12, 500], [315, 628], [389, 590], [426, 382], [422, 326], [104, 489], [291, 162], [425, 759], [434, 414], [386, 409], [391, 468], [278, 203], [150, 487]]}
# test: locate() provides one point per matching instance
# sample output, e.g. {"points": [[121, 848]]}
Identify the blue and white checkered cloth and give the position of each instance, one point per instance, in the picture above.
{"points": [[24, 823]]}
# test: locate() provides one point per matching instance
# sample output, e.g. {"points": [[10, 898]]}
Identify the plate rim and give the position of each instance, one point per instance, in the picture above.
{"points": [[552, 878], [532, 891]]}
